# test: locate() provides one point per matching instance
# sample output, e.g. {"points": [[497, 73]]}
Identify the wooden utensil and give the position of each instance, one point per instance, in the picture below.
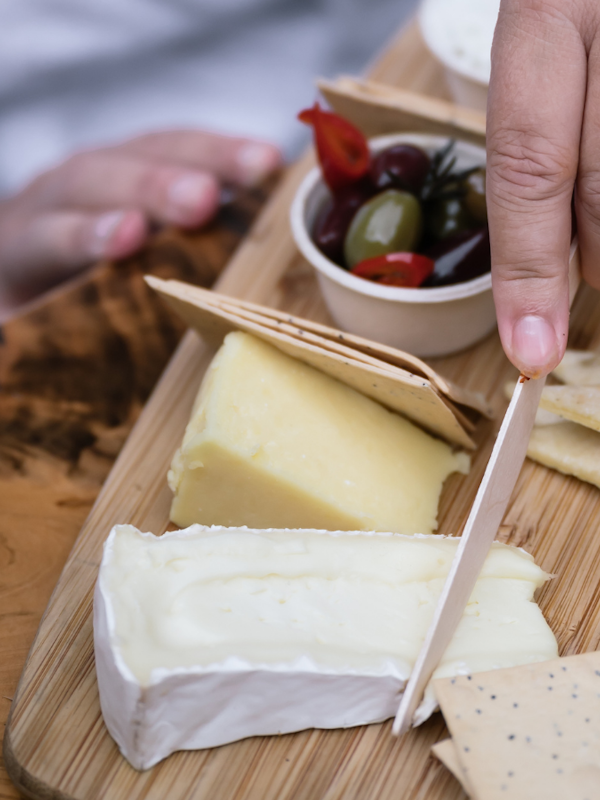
{"points": [[480, 529]]}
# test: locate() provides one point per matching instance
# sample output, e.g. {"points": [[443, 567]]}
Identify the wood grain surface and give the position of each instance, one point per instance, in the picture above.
{"points": [[75, 374]]}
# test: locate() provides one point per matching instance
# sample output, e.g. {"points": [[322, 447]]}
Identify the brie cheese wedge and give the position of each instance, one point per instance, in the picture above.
{"points": [[209, 635]]}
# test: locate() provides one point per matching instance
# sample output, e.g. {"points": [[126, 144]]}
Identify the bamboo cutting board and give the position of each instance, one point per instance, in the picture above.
{"points": [[56, 745]]}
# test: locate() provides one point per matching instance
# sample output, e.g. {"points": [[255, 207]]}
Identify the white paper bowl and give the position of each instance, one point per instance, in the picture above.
{"points": [[425, 322], [459, 34]]}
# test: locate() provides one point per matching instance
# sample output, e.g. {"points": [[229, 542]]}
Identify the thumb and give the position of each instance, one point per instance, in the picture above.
{"points": [[535, 111]]}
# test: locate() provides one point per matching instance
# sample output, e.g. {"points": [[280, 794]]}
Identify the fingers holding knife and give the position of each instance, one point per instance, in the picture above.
{"points": [[537, 113]]}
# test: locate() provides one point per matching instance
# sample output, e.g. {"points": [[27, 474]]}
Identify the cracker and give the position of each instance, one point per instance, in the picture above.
{"points": [[349, 353], [400, 391], [566, 446], [579, 368], [530, 731], [569, 448], [445, 751], [576, 403], [388, 356], [378, 108]]}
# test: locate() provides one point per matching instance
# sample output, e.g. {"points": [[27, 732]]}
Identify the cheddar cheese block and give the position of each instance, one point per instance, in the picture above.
{"points": [[208, 635], [273, 442]]}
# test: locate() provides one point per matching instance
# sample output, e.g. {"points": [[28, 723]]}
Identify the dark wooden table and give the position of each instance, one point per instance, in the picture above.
{"points": [[75, 372]]}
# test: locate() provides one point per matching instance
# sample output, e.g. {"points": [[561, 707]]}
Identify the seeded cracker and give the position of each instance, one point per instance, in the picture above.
{"points": [[528, 732], [445, 751], [413, 396]]}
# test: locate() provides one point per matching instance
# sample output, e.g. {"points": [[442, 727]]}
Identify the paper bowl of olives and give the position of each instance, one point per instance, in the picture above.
{"points": [[402, 253]]}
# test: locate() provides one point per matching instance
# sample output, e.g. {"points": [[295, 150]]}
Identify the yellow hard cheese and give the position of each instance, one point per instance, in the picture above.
{"points": [[273, 442]]}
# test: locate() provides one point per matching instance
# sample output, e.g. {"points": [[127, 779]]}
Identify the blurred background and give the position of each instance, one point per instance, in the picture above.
{"points": [[84, 73]]}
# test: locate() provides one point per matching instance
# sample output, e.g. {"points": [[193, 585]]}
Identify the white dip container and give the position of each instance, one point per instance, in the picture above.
{"points": [[459, 33]]}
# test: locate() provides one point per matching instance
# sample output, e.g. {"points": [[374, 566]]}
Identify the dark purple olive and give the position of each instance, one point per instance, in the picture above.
{"points": [[402, 166], [333, 220], [460, 258]]}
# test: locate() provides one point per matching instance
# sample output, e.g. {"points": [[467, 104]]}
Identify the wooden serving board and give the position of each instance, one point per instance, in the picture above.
{"points": [[56, 745]]}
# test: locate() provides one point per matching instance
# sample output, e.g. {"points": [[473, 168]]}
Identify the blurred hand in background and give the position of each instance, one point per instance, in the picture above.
{"points": [[99, 203], [77, 75]]}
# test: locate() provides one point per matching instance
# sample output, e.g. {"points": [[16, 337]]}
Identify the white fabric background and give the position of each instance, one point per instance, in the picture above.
{"points": [[81, 73]]}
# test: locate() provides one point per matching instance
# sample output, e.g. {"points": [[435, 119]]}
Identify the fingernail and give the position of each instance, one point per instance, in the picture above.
{"points": [[255, 162], [534, 345], [103, 231], [187, 196]]}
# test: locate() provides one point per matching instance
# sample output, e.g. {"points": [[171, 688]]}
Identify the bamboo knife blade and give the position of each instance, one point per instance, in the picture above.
{"points": [[480, 530]]}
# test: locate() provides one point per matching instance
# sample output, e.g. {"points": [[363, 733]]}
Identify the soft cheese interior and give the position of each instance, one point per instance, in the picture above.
{"points": [[345, 601], [208, 635], [273, 442]]}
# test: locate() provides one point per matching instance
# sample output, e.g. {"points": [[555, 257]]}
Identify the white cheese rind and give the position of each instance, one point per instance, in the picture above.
{"points": [[153, 713], [196, 708]]}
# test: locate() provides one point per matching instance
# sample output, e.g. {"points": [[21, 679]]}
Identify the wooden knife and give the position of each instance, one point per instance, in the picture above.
{"points": [[480, 529]]}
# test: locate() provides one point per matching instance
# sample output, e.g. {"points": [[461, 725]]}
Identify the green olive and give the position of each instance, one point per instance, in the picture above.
{"points": [[391, 222], [447, 217], [475, 197]]}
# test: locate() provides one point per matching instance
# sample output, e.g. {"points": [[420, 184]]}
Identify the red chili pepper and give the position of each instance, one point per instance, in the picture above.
{"points": [[395, 269], [342, 149]]}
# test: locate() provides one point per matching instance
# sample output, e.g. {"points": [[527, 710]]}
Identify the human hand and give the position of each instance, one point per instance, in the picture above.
{"points": [[98, 203], [543, 140]]}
